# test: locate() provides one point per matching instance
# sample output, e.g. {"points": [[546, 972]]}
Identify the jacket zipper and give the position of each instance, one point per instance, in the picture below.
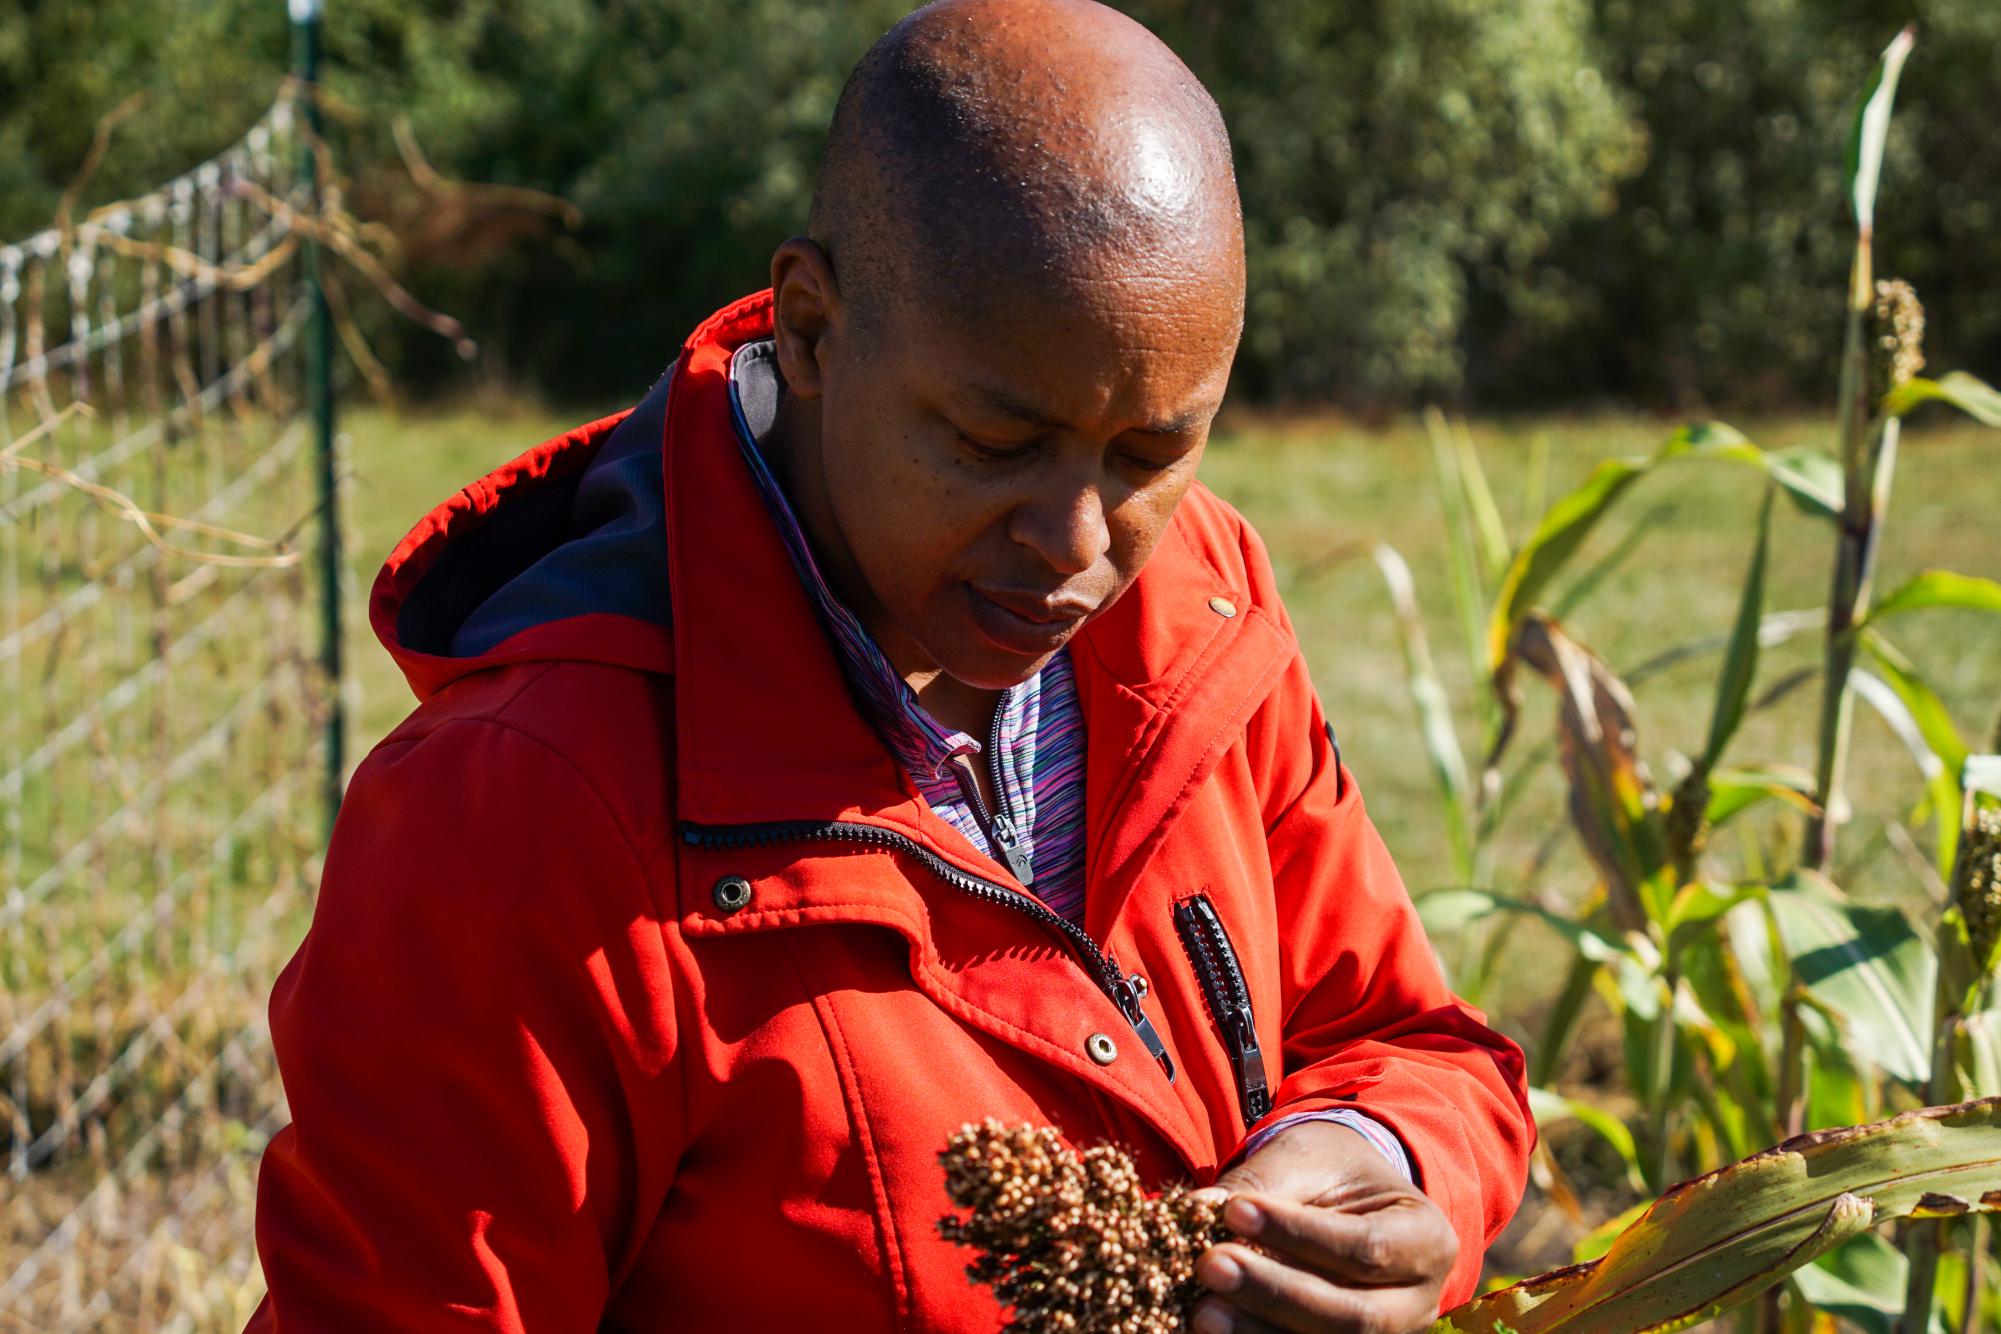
{"points": [[1216, 968], [1104, 969]]}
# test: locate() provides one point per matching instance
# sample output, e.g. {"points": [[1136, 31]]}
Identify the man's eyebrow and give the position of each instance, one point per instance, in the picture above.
{"points": [[999, 400]]}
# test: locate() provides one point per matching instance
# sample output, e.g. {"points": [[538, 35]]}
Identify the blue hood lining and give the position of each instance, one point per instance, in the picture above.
{"points": [[594, 540]]}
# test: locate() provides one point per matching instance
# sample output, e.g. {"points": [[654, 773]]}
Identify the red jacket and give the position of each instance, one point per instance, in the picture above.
{"points": [[643, 989]]}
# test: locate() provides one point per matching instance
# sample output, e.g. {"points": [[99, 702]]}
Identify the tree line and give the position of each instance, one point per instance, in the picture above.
{"points": [[1504, 202]]}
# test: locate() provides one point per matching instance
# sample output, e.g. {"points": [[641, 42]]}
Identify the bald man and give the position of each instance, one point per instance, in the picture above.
{"points": [[876, 729]]}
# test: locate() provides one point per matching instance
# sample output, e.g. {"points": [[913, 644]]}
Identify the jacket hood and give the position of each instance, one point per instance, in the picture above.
{"points": [[559, 554]]}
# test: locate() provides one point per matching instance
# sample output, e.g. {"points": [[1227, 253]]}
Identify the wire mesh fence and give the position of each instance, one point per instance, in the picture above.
{"points": [[162, 723]]}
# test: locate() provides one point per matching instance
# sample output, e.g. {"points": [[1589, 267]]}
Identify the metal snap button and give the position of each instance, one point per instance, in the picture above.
{"points": [[732, 892], [1223, 607], [1101, 1049]]}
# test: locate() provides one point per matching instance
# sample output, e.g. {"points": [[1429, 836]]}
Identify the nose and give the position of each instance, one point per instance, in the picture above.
{"points": [[1064, 523]]}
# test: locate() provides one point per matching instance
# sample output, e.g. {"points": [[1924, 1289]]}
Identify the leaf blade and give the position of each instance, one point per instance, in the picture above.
{"points": [[1872, 129], [1434, 711], [1969, 393], [1865, 963], [1740, 660], [1939, 588], [1723, 1237]]}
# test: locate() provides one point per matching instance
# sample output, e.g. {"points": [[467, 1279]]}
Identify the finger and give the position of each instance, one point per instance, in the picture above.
{"points": [[1293, 1299], [1213, 1315], [1384, 1246]]}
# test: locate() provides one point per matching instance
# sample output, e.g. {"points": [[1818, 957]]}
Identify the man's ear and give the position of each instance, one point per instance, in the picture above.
{"points": [[806, 308]]}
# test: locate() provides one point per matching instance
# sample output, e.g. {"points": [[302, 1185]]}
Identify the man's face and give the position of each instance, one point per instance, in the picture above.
{"points": [[997, 482]]}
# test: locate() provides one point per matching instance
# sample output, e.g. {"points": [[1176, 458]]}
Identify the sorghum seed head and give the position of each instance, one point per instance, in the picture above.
{"points": [[1976, 880], [1073, 1242], [1898, 331], [1688, 821]]}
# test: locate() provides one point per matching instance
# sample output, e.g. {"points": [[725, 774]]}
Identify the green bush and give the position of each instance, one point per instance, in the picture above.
{"points": [[1718, 277]]}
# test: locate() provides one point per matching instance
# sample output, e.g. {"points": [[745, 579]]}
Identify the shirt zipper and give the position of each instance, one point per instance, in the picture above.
{"points": [[1104, 969], [1229, 998], [997, 824]]}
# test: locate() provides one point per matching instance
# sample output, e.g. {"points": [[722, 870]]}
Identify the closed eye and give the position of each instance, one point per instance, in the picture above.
{"points": [[996, 453]]}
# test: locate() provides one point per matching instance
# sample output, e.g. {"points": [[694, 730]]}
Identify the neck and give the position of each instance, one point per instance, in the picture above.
{"points": [[793, 447], [961, 707]]}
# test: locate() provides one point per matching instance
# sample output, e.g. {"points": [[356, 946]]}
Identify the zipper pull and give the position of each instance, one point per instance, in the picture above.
{"points": [[1001, 834], [996, 825], [1127, 996], [1248, 1061]]}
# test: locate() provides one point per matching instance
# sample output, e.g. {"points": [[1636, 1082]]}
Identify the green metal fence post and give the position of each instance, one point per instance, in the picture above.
{"points": [[319, 390]]}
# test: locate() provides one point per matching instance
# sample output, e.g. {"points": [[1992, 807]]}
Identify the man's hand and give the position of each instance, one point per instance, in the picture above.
{"points": [[1352, 1245]]}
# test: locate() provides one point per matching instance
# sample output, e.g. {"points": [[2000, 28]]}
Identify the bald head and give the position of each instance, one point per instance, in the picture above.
{"points": [[987, 147]]}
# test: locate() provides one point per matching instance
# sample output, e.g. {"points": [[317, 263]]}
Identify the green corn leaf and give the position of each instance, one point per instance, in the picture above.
{"points": [[1740, 661], [1866, 965], [1713, 969], [1913, 710], [1811, 478], [1598, 1240], [1837, 1093], [1939, 588], [1550, 1107], [1569, 520], [1571, 517], [1585, 584], [1713, 1243], [1434, 712], [1969, 393], [1976, 1053], [1697, 906], [1872, 127], [1449, 909], [1861, 1282], [1461, 544], [1535, 486], [1777, 628], [1733, 791], [1480, 506]]}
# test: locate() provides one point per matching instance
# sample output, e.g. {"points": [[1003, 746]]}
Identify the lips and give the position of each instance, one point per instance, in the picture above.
{"points": [[1025, 624]]}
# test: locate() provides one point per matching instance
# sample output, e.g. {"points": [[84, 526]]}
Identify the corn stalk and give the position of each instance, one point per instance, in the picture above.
{"points": [[1868, 446], [1968, 932]]}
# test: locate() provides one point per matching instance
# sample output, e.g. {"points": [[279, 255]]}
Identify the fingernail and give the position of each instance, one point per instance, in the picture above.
{"points": [[1210, 1194], [1244, 1217], [1221, 1274], [1213, 1320]]}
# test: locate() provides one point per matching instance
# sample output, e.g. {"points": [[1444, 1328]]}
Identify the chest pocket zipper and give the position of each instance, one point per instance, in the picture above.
{"points": [[1229, 998]]}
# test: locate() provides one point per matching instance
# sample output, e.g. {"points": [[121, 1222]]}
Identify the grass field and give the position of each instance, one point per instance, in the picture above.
{"points": [[1323, 492]]}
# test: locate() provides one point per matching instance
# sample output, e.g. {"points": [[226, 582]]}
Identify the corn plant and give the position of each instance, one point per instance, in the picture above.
{"points": [[1714, 1243], [1760, 999]]}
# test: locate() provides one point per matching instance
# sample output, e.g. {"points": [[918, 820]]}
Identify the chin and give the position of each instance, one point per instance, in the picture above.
{"points": [[992, 669]]}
